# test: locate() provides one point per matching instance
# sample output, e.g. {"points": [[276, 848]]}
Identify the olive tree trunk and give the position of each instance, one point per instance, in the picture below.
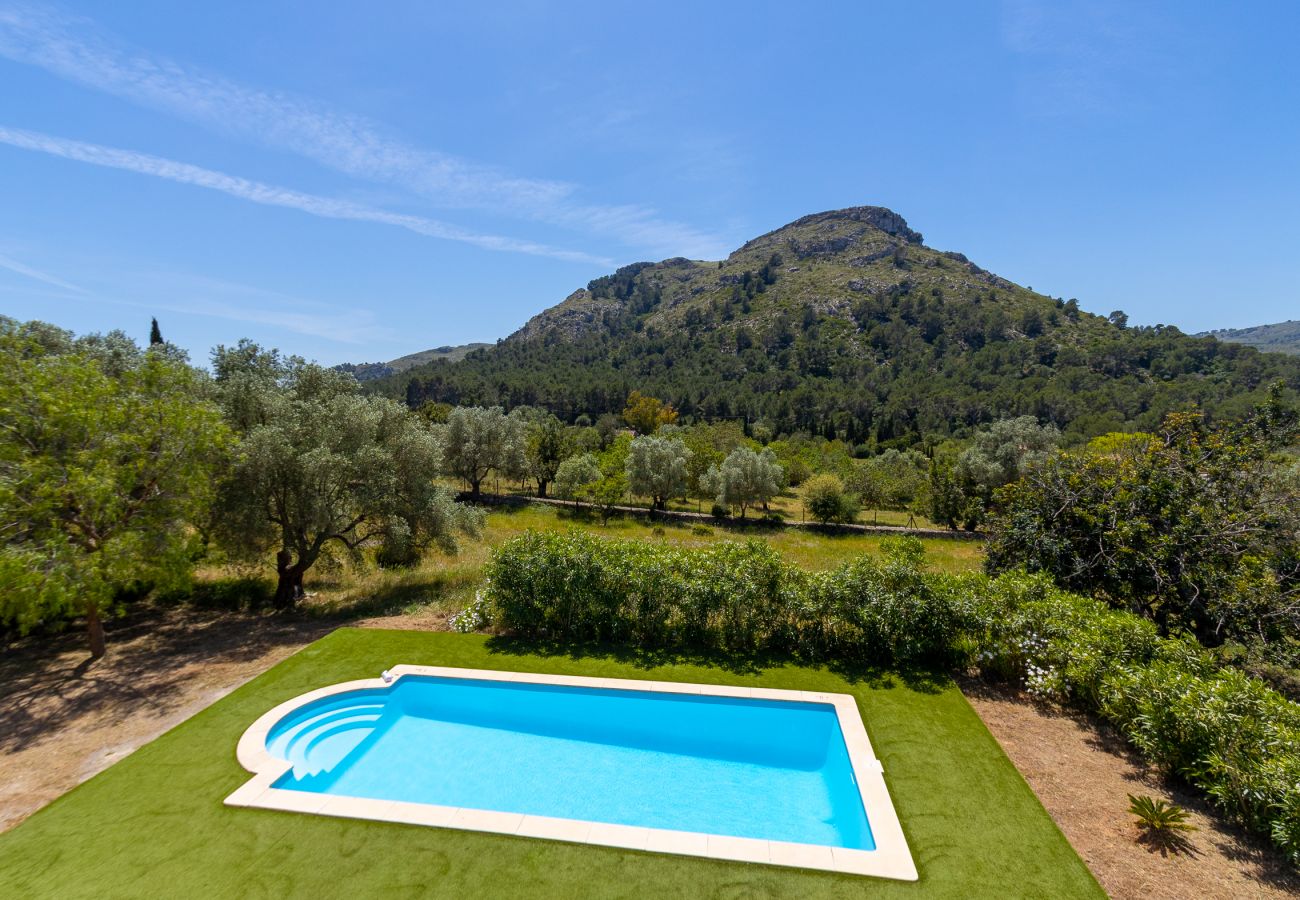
{"points": [[95, 631], [288, 588]]}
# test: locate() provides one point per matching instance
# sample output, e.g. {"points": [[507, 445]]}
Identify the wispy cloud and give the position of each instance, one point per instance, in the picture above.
{"points": [[1084, 54], [355, 328], [14, 265], [270, 195], [74, 50], [217, 299], [221, 298]]}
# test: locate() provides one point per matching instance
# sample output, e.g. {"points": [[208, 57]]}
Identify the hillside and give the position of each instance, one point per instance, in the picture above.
{"points": [[1282, 337], [844, 323], [372, 371]]}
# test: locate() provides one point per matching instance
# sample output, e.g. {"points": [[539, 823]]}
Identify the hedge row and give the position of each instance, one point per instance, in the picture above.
{"points": [[1220, 730]]}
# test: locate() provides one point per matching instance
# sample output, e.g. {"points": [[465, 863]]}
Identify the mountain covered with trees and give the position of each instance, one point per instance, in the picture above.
{"points": [[371, 371], [845, 324], [1280, 337]]}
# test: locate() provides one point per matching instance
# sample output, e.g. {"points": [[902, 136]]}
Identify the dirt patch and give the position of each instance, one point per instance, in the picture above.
{"points": [[63, 719], [1083, 773]]}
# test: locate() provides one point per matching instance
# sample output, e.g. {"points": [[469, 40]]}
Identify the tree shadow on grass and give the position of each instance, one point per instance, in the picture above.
{"points": [[923, 680]]}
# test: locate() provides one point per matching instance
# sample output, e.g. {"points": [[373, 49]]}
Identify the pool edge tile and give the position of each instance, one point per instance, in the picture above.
{"points": [[627, 837], [486, 820], [550, 828], [801, 856], [427, 814], [739, 849], [682, 843], [356, 808], [292, 801]]}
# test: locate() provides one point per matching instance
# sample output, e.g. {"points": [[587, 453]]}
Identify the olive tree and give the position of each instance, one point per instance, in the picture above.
{"points": [[656, 468], [320, 466], [962, 488], [478, 441], [745, 478], [575, 475], [1003, 452], [107, 455]]}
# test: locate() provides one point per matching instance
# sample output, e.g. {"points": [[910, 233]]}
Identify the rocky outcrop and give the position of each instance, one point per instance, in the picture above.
{"points": [[579, 314], [826, 232]]}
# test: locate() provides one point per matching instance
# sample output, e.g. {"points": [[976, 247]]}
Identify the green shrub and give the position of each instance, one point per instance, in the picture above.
{"points": [[827, 501], [699, 529]]}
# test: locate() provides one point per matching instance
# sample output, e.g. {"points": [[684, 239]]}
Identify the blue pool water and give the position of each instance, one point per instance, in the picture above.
{"points": [[752, 768]]}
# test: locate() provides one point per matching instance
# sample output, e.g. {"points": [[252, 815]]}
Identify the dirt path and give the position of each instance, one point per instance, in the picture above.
{"points": [[165, 665], [1083, 774]]}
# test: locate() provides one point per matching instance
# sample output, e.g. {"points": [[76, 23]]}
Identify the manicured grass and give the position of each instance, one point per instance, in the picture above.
{"points": [[153, 825]]}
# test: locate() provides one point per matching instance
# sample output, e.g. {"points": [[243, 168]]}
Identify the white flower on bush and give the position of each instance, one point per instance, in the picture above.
{"points": [[474, 617]]}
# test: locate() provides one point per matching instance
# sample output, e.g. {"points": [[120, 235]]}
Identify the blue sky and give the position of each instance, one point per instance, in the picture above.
{"points": [[360, 181]]}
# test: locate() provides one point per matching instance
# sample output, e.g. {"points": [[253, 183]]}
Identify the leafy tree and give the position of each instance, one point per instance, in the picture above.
{"points": [[963, 488], [656, 468], [320, 466], [608, 492], [575, 476], [434, 413], [1196, 529], [106, 458], [155, 333], [826, 500], [645, 414], [1004, 451], [709, 445], [585, 439], [478, 440], [893, 479], [949, 502], [608, 427], [745, 478], [546, 445]]}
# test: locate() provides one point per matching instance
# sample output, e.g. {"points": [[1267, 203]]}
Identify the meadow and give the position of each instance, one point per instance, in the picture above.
{"points": [[442, 583]]}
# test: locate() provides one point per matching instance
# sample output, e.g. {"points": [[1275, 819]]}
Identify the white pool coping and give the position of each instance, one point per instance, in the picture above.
{"points": [[890, 859]]}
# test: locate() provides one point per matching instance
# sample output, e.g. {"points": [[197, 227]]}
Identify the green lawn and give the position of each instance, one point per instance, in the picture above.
{"points": [[153, 825]]}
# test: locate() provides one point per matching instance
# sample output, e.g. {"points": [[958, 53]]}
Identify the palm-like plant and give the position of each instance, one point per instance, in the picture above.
{"points": [[1162, 823]]}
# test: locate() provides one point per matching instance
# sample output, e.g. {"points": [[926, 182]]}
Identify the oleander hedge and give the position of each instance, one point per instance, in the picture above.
{"points": [[1220, 730]]}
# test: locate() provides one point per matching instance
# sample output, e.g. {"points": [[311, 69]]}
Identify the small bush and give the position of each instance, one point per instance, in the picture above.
{"points": [[702, 530], [227, 593], [474, 617], [827, 501], [1162, 823], [718, 511]]}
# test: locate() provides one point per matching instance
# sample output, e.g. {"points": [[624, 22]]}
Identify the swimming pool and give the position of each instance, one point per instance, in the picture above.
{"points": [[784, 777]]}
